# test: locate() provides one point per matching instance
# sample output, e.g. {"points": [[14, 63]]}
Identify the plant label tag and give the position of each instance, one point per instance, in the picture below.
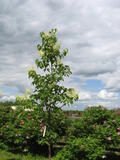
{"points": [[44, 109], [44, 131]]}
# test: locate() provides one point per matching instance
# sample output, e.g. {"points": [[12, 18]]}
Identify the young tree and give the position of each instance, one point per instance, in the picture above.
{"points": [[48, 93]]}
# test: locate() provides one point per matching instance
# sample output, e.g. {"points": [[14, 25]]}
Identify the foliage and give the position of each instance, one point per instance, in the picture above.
{"points": [[48, 93], [82, 149], [22, 130], [97, 115], [99, 123], [4, 155], [59, 122]]}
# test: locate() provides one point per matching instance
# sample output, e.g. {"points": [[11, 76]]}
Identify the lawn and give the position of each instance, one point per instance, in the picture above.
{"points": [[4, 155]]}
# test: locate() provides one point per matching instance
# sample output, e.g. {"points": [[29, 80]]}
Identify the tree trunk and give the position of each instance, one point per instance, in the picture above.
{"points": [[49, 140], [49, 127], [49, 151]]}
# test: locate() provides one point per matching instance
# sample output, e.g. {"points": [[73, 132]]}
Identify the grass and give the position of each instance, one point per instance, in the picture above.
{"points": [[4, 155]]}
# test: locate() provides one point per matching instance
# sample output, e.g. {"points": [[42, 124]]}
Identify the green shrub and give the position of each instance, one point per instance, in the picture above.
{"points": [[97, 115], [99, 123], [22, 130], [82, 149]]}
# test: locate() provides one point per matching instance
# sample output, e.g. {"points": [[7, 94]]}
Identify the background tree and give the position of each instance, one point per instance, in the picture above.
{"points": [[48, 93]]}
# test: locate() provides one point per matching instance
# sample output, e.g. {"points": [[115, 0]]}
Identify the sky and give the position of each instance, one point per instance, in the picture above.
{"points": [[90, 29]]}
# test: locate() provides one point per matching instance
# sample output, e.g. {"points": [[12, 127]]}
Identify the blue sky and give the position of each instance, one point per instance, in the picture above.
{"points": [[90, 29], [10, 90], [94, 85]]}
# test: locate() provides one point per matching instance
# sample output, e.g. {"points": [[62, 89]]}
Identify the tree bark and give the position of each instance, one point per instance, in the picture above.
{"points": [[49, 140], [49, 127], [49, 151]]}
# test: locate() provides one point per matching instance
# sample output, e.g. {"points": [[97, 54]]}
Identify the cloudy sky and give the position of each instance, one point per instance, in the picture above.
{"points": [[90, 29]]}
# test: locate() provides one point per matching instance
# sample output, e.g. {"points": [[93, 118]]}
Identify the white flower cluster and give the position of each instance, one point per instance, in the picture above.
{"points": [[28, 109], [103, 156], [72, 93], [47, 34], [41, 53], [14, 107], [32, 68], [59, 61], [57, 46]]}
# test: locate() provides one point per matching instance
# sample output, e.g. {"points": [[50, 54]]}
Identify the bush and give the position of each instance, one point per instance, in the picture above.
{"points": [[99, 123], [82, 149], [22, 129], [97, 115]]}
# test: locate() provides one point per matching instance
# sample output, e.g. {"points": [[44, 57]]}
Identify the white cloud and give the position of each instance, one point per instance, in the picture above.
{"points": [[104, 94], [84, 95], [89, 29], [7, 98]]}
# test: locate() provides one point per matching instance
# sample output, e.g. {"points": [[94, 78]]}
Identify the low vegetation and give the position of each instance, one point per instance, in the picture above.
{"points": [[4, 155], [95, 135]]}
